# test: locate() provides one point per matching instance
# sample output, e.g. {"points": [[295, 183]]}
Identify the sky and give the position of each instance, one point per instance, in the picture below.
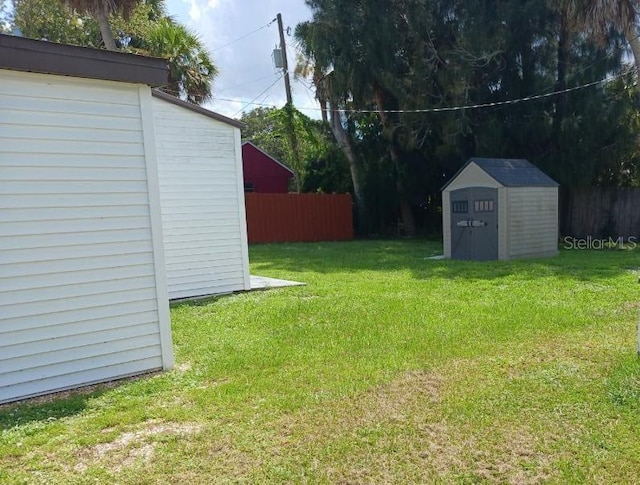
{"points": [[241, 36]]}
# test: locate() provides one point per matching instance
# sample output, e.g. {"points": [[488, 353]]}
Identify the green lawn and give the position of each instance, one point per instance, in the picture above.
{"points": [[385, 368]]}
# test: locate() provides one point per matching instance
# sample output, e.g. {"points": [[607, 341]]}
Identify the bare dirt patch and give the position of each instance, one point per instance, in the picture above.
{"points": [[131, 446]]}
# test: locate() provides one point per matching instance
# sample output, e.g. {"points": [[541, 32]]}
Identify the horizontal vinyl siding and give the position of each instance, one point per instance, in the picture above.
{"points": [[200, 202], [532, 221], [78, 295]]}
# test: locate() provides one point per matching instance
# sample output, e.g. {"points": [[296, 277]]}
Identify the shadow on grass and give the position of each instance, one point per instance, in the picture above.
{"points": [[58, 405], [45, 409], [380, 256]]}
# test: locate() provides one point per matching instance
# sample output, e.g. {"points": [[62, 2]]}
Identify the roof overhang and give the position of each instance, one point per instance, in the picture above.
{"points": [[197, 109], [535, 177], [21, 54]]}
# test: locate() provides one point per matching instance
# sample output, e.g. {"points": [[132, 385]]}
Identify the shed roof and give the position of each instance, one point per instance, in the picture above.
{"points": [[510, 172], [197, 109], [21, 54], [248, 143]]}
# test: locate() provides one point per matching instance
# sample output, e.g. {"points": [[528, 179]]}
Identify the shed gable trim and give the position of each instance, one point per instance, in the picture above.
{"points": [[22, 54], [197, 109], [509, 172]]}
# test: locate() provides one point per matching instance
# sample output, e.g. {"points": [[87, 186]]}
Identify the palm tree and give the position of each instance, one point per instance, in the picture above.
{"points": [[600, 17], [101, 10], [191, 70]]}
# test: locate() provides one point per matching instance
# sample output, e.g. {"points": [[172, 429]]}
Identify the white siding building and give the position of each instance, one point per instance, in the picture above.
{"points": [[500, 209], [83, 295], [202, 199]]}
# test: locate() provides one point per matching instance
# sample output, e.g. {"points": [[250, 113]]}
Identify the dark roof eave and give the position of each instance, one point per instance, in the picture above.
{"points": [[543, 179], [21, 54], [197, 109]]}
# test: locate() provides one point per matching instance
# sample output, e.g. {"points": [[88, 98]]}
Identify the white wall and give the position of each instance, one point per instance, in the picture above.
{"points": [[202, 199], [80, 300]]}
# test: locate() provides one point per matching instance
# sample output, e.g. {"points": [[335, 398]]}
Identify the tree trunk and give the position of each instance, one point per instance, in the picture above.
{"points": [[102, 16], [323, 107], [406, 214], [561, 83], [342, 138], [320, 94]]}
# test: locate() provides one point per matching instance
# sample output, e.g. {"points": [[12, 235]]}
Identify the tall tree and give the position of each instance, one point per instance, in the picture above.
{"points": [[101, 10], [394, 56], [55, 21], [191, 69], [332, 96], [601, 17]]}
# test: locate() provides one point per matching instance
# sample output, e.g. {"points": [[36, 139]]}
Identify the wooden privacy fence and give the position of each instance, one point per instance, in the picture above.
{"points": [[600, 212], [298, 217]]}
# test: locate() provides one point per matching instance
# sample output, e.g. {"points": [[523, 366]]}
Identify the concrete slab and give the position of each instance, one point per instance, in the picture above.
{"points": [[438, 257], [264, 283]]}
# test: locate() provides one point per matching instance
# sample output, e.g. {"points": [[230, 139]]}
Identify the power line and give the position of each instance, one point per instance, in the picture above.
{"points": [[467, 107], [244, 36], [495, 103], [216, 98], [252, 101], [235, 86]]}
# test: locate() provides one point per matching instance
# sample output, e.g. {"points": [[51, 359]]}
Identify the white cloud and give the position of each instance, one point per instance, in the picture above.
{"points": [[195, 12], [245, 64]]}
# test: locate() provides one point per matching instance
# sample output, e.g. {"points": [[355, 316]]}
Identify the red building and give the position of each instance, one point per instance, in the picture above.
{"points": [[263, 173]]}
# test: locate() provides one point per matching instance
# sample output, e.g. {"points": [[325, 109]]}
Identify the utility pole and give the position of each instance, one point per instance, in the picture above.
{"points": [[285, 64], [289, 106]]}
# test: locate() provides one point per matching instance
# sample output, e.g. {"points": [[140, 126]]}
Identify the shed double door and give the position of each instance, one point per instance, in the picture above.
{"points": [[474, 224]]}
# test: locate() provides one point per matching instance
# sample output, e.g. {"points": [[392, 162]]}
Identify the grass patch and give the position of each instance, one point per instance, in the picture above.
{"points": [[385, 368]]}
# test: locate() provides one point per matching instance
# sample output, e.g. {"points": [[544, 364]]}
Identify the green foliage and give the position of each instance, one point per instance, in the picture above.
{"points": [[401, 56], [321, 168], [54, 21], [191, 69], [6, 19], [266, 130]]}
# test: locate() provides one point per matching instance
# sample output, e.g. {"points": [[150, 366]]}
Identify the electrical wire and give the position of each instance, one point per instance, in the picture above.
{"points": [[235, 86], [252, 101], [466, 107], [244, 36], [231, 100]]}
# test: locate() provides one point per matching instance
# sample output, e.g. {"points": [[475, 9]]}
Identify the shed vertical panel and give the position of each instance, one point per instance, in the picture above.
{"points": [[533, 222], [503, 223]]}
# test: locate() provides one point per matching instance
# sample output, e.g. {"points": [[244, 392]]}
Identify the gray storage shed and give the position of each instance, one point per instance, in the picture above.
{"points": [[500, 209]]}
